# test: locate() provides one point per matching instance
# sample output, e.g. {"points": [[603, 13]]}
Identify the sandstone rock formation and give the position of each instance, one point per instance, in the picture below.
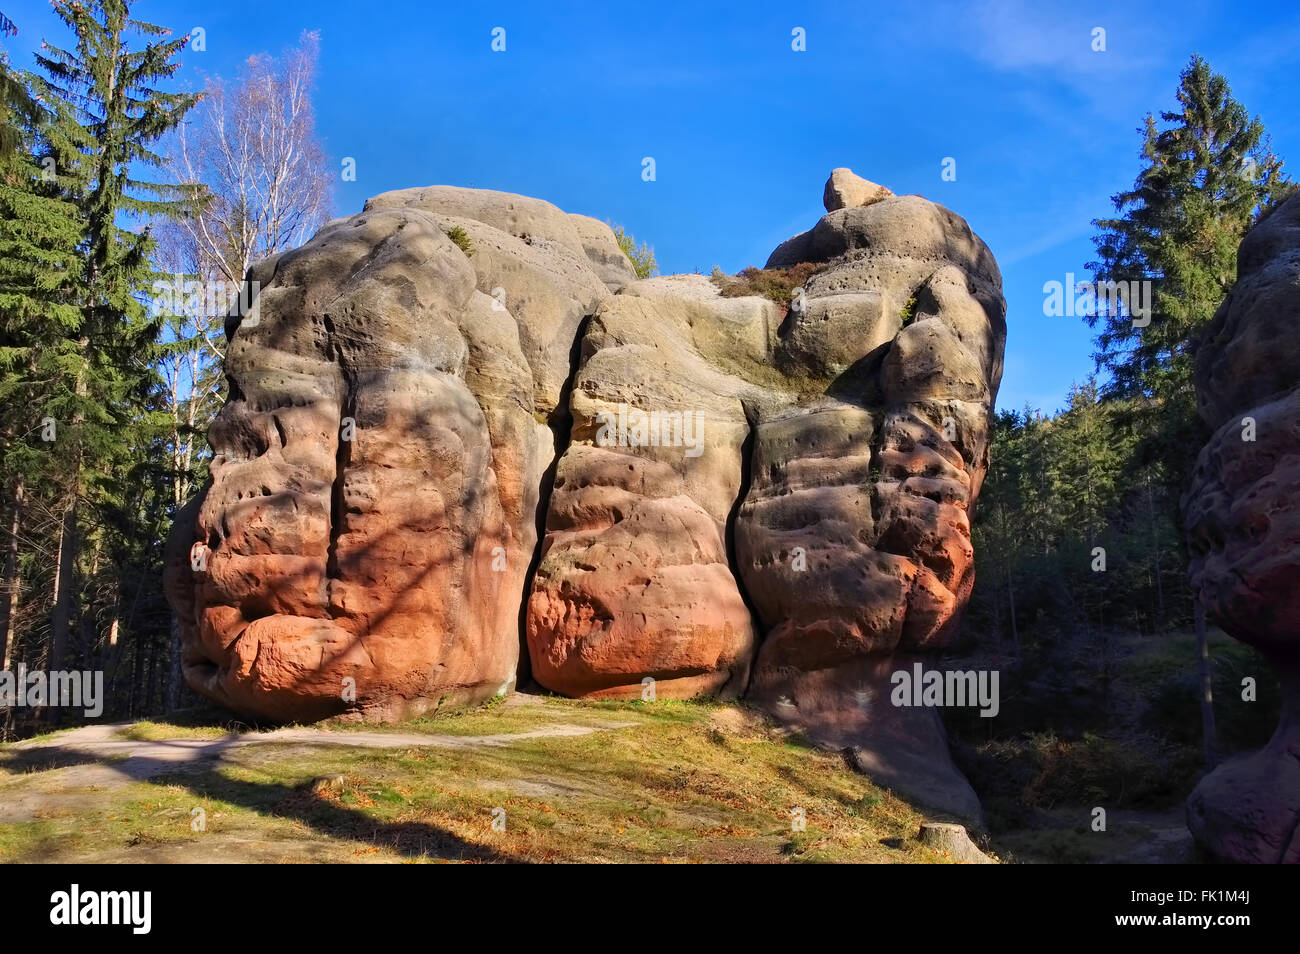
{"points": [[843, 437], [1243, 524], [635, 580], [871, 482], [738, 493], [844, 190], [371, 520]]}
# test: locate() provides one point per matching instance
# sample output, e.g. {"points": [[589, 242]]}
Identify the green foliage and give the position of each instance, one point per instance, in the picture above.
{"points": [[461, 239], [642, 258], [1098, 717], [1044, 770], [16, 100], [1056, 489], [78, 345], [1207, 173], [1173, 686], [908, 311]]}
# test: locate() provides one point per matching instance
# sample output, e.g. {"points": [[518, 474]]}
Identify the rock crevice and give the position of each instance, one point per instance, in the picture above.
{"points": [[561, 470]]}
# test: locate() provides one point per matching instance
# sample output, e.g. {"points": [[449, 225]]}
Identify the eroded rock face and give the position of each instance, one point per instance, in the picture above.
{"points": [[364, 543], [635, 582], [854, 537], [751, 495], [844, 190], [824, 516], [1243, 522]]}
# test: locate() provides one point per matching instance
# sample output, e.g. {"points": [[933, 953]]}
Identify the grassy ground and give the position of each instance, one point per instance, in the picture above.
{"points": [[685, 782]]}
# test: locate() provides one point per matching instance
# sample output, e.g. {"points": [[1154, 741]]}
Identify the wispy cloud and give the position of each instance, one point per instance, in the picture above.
{"points": [[1031, 37]]}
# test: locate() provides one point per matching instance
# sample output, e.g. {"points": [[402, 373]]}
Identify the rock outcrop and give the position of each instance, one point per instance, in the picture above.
{"points": [[844, 190], [740, 492], [365, 541], [854, 537], [840, 441], [1243, 524]]}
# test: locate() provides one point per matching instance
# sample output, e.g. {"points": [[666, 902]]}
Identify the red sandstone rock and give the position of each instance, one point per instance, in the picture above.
{"points": [[745, 486], [381, 575], [1243, 527]]}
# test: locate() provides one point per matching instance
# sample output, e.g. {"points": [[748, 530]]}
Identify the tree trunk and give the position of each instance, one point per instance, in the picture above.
{"points": [[9, 602], [1155, 540], [153, 677], [1207, 695], [174, 677], [61, 613], [133, 702], [64, 573], [1011, 601]]}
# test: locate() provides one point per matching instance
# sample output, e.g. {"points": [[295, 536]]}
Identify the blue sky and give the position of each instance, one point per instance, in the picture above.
{"points": [[744, 130]]}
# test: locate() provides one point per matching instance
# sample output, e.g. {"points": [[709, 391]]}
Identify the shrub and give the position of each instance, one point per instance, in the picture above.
{"points": [[908, 312], [461, 238], [642, 259], [778, 284]]}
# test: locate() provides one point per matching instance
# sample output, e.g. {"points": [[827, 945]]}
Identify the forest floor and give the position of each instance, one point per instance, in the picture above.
{"points": [[566, 780]]}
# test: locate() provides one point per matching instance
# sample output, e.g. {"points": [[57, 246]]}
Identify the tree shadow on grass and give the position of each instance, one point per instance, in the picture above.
{"points": [[412, 839], [205, 779]]}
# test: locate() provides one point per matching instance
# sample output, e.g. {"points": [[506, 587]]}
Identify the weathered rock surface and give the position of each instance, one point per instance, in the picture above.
{"points": [[751, 496], [372, 514], [854, 538], [844, 190], [635, 581], [841, 445], [602, 249], [1243, 523]]}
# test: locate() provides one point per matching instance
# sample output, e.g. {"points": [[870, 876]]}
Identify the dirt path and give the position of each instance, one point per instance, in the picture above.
{"points": [[59, 772], [106, 741]]}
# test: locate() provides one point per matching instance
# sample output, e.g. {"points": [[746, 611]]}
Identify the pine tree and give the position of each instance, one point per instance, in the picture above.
{"points": [[40, 233], [105, 112], [1207, 174], [15, 99]]}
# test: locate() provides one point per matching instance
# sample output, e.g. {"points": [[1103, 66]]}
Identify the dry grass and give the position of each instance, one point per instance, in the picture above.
{"points": [[687, 782]]}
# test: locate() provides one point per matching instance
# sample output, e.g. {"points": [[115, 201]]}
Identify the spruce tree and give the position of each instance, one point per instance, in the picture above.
{"points": [[1207, 172], [15, 99], [40, 234], [105, 111]]}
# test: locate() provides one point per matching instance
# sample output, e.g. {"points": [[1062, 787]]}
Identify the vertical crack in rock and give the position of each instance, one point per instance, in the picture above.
{"points": [[876, 447], [742, 494], [560, 423], [342, 456]]}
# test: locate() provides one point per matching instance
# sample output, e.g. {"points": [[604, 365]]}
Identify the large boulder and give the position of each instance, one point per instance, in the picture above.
{"points": [[738, 492], [1243, 530], [844, 190], [819, 530], [635, 581], [364, 544], [854, 536]]}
